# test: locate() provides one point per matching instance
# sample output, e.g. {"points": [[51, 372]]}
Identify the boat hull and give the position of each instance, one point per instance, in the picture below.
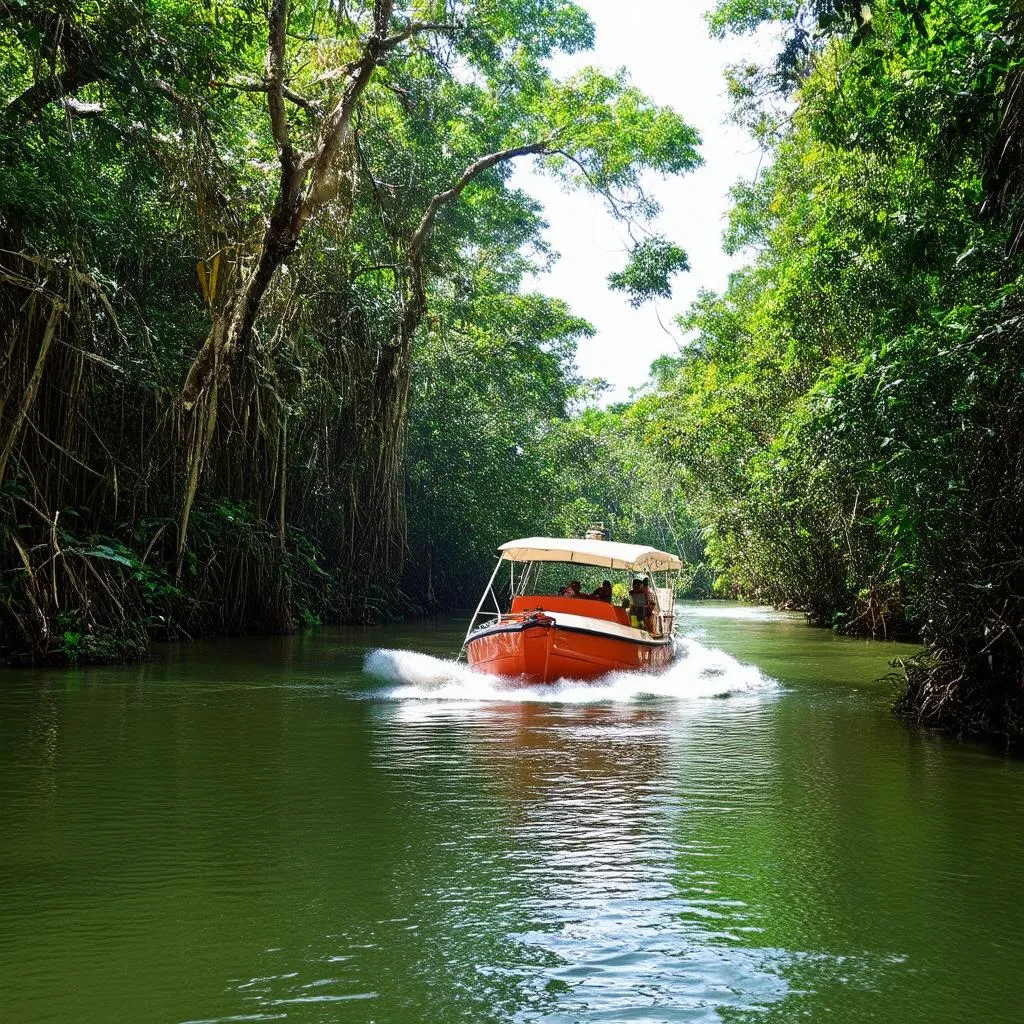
{"points": [[542, 651]]}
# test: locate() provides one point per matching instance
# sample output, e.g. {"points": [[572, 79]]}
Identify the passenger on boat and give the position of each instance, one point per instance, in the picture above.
{"points": [[603, 592], [639, 605], [650, 605], [571, 589]]}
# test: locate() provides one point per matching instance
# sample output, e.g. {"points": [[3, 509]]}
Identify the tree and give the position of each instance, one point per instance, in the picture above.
{"points": [[845, 417], [593, 130], [241, 222]]}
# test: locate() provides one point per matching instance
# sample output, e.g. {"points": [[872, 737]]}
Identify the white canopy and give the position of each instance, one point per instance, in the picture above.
{"points": [[631, 557]]}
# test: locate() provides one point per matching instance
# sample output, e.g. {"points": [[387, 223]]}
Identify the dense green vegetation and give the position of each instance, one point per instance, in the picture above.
{"points": [[847, 416], [239, 241], [269, 360]]}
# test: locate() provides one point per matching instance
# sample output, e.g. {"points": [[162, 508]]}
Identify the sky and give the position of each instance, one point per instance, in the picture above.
{"points": [[670, 56]]}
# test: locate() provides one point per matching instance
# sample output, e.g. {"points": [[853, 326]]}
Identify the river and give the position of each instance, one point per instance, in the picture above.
{"points": [[258, 829]]}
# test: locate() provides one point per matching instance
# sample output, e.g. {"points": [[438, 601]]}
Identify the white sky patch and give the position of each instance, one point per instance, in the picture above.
{"points": [[670, 56]]}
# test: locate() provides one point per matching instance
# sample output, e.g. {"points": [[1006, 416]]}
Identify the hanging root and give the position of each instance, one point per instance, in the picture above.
{"points": [[277, 501], [971, 678]]}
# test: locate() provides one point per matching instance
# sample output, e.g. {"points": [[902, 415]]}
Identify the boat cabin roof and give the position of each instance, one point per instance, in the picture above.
{"points": [[606, 553]]}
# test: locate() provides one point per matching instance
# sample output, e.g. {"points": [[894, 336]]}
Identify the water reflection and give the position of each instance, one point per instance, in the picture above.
{"points": [[605, 910]]}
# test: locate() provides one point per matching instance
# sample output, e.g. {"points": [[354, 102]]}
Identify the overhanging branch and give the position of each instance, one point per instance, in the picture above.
{"points": [[414, 28], [612, 202], [474, 170], [46, 90], [378, 47], [310, 105]]}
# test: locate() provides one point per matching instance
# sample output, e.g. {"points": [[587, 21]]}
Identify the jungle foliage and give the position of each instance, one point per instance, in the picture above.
{"points": [[269, 359], [847, 415], [266, 355]]}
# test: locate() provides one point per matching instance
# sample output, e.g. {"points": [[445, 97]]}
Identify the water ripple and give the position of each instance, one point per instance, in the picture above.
{"points": [[223, 841]]}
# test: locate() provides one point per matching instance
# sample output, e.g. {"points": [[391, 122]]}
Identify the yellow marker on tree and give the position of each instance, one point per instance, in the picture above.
{"points": [[208, 277]]}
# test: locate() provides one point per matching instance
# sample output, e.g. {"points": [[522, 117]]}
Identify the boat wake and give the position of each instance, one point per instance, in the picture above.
{"points": [[697, 672]]}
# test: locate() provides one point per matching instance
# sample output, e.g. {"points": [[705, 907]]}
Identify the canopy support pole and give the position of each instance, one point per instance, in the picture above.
{"points": [[476, 614]]}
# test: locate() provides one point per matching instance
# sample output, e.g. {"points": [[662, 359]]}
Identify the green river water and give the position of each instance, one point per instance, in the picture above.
{"points": [[259, 830]]}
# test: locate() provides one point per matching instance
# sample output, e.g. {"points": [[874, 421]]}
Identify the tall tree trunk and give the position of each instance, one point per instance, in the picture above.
{"points": [[307, 181]]}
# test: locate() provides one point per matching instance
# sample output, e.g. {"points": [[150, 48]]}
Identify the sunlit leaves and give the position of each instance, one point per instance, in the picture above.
{"points": [[605, 133], [648, 273], [823, 405]]}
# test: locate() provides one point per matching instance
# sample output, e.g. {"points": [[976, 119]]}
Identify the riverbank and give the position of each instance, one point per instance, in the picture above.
{"points": [[918, 687]]}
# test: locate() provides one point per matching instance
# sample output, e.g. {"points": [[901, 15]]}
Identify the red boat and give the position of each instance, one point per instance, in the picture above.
{"points": [[541, 638]]}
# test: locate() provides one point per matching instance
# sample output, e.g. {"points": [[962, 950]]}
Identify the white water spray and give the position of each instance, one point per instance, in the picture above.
{"points": [[697, 672]]}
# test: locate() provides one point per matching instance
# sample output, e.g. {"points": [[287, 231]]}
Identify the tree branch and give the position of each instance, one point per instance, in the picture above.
{"points": [[289, 94], [79, 108], [335, 127], [474, 170], [342, 71], [165, 88], [382, 16], [414, 28], [46, 90], [377, 266], [593, 184], [277, 17], [380, 45]]}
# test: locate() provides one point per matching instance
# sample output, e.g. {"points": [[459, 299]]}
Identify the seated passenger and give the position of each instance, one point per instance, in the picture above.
{"points": [[651, 605], [571, 589], [603, 592], [639, 605]]}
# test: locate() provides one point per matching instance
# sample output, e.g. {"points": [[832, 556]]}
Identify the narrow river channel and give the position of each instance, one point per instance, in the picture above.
{"points": [[257, 829]]}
